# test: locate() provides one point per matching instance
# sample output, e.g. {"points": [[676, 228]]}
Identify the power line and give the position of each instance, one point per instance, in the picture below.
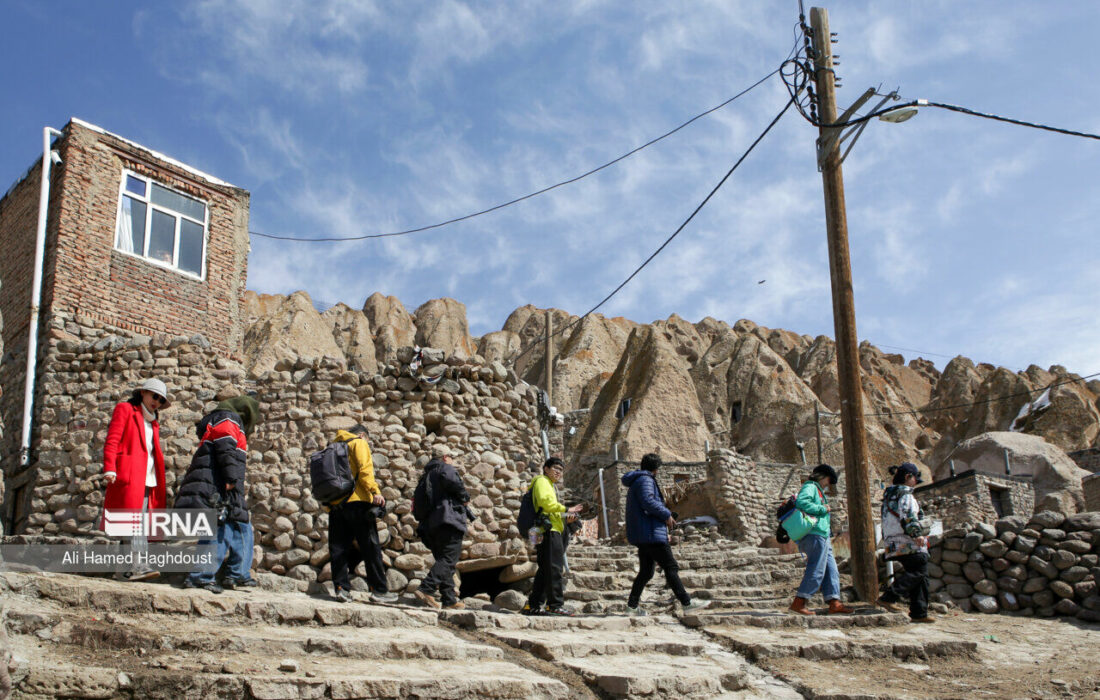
{"points": [[669, 239], [1018, 122], [525, 197]]}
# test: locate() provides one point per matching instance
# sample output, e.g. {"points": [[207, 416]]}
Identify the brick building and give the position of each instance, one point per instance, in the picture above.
{"points": [[136, 244]]}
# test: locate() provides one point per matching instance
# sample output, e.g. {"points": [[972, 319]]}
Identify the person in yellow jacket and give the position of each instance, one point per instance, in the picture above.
{"points": [[353, 532], [549, 585]]}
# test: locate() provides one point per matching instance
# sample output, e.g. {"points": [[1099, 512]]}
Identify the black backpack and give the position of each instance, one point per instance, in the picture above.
{"points": [[526, 518], [330, 473], [423, 499], [781, 514]]}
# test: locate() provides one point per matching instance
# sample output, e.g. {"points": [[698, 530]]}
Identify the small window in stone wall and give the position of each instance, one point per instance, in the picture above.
{"points": [[161, 225], [1002, 501]]}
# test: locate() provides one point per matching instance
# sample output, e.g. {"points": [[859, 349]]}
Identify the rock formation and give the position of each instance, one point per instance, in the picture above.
{"points": [[1055, 477], [293, 330], [745, 386], [392, 325]]}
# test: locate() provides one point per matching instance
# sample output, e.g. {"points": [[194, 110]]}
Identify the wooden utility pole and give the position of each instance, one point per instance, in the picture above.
{"points": [[817, 429], [549, 359], [856, 465]]}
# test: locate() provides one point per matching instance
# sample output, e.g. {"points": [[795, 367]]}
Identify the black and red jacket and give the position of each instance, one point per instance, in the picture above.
{"points": [[219, 461]]}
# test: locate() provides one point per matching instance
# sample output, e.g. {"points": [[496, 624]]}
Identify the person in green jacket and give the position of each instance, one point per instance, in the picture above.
{"points": [[821, 572], [549, 585]]}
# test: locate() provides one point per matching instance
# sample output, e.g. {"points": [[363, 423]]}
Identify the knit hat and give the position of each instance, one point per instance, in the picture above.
{"points": [[246, 407]]}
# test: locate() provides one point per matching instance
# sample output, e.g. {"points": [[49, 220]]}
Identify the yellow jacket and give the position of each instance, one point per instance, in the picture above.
{"points": [[545, 498], [362, 467]]}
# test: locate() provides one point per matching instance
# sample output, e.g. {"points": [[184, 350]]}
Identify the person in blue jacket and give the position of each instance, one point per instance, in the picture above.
{"points": [[647, 522], [821, 572]]}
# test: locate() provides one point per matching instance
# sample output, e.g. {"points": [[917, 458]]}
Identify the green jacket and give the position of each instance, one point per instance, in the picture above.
{"points": [[545, 499], [811, 501]]}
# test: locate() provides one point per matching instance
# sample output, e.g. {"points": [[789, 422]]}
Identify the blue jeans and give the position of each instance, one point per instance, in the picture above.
{"points": [[235, 547], [821, 573]]}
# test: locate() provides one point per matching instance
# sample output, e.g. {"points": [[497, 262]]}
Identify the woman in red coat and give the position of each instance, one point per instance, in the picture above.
{"points": [[133, 463]]}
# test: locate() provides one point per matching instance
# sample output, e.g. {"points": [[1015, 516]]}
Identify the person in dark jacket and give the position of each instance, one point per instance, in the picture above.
{"points": [[441, 527], [647, 522], [216, 479]]}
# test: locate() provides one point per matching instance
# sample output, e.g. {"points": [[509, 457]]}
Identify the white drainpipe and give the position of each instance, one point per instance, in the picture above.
{"points": [[36, 293]]}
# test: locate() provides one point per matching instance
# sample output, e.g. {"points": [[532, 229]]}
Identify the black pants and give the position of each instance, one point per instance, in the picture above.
{"points": [[353, 538], [648, 556], [446, 545], [549, 584], [912, 584]]}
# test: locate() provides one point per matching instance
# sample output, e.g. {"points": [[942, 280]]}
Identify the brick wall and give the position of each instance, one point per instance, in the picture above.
{"points": [[86, 280]]}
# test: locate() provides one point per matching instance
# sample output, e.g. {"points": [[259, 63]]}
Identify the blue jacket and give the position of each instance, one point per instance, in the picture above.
{"points": [[646, 512]]}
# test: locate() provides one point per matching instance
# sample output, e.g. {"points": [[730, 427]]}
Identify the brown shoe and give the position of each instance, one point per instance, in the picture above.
{"points": [[457, 605], [838, 608], [145, 576], [927, 619], [799, 606], [426, 599], [892, 606]]}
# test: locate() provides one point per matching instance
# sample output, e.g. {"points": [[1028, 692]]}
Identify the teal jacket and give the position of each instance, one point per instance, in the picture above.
{"points": [[811, 501]]}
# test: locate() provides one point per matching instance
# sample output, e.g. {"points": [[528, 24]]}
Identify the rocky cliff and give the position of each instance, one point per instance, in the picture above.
{"points": [[674, 385]]}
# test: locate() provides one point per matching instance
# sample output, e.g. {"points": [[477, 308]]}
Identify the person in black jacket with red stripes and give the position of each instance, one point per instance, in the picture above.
{"points": [[216, 479]]}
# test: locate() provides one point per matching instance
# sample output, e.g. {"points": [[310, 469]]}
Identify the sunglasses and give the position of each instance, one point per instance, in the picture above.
{"points": [[158, 398]]}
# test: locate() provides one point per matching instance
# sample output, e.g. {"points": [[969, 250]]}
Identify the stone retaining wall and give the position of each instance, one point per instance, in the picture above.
{"points": [[480, 412], [1046, 565], [1091, 487], [976, 497]]}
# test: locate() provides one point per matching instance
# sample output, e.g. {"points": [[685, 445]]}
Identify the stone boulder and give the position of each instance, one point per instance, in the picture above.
{"points": [[391, 324], [293, 330], [499, 346], [351, 331], [529, 323], [591, 351], [257, 305], [1055, 477], [664, 413], [441, 323]]}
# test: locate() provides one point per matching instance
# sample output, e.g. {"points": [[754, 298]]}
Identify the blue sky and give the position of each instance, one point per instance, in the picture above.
{"points": [[342, 118]]}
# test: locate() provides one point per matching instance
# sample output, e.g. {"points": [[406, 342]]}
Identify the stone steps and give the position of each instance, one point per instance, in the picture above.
{"points": [[820, 638], [88, 637], [690, 578], [621, 656]]}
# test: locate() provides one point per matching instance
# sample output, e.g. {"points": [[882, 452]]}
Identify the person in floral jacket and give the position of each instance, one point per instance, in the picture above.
{"points": [[905, 543]]}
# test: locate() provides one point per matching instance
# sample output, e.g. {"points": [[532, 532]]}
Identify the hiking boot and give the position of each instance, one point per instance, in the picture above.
{"points": [[891, 605], [927, 619], [426, 599], [636, 611], [342, 596], [457, 605], [838, 608], [383, 598], [696, 605], [798, 605], [213, 587], [560, 612], [245, 583], [528, 610]]}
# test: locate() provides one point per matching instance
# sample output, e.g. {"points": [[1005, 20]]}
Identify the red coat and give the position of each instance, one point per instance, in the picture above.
{"points": [[124, 453]]}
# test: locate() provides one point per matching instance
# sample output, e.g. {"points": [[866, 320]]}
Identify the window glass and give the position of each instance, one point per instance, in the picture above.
{"points": [[135, 185], [131, 227], [177, 202], [190, 247], [162, 237]]}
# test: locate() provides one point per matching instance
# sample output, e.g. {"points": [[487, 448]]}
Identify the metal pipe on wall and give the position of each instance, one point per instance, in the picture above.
{"points": [[36, 296]]}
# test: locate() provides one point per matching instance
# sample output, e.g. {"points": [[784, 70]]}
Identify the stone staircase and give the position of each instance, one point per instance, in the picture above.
{"points": [[631, 657], [96, 638], [732, 577]]}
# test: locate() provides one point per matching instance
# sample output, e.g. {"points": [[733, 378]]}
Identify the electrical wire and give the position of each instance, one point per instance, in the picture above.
{"points": [[525, 197], [668, 240], [1018, 122]]}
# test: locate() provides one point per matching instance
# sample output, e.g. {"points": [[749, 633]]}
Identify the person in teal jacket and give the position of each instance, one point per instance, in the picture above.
{"points": [[821, 573]]}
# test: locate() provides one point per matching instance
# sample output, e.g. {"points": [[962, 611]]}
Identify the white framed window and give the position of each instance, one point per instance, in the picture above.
{"points": [[162, 226]]}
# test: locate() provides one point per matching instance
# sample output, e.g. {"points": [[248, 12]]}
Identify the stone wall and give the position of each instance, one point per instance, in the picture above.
{"points": [[1089, 459], [976, 497], [481, 412], [672, 477], [1044, 565], [1091, 486]]}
